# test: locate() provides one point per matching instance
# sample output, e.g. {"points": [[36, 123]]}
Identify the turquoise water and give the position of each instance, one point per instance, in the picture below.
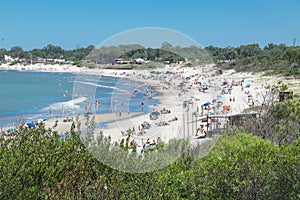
{"points": [[28, 96]]}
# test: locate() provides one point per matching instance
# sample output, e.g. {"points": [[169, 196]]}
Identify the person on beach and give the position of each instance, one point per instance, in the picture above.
{"points": [[97, 104], [142, 105], [62, 109], [158, 139], [72, 127], [55, 123], [50, 111]]}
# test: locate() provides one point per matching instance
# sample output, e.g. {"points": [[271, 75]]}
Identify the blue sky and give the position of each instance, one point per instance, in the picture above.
{"points": [[70, 23]]}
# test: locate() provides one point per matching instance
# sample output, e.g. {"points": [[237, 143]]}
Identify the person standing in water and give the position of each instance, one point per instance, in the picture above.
{"points": [[62, 109], [142, 106]]}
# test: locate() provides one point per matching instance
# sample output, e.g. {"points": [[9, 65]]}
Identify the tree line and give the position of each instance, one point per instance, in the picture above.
{"points": [[272, 58], [49, 52]]}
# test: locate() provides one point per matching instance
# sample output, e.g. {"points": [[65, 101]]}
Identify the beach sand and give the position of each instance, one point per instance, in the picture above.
{"points": [[172, 97]]}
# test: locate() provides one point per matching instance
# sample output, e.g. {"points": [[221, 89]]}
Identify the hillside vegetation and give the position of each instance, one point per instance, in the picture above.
{"points": [[272, 59], [261, 164]]}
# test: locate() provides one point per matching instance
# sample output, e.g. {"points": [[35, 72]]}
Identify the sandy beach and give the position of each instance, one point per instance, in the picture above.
{"points": [[186, 96], [178, 123]]}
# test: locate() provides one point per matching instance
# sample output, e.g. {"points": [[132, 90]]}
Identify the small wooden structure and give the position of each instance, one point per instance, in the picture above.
{"points": [[241, 119], [219, 122]]}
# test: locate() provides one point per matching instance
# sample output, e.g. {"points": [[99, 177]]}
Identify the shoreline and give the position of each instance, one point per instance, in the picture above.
{"points": [[172, 97]]}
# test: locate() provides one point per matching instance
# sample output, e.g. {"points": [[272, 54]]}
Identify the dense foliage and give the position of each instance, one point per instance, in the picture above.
{"points": [[153, 55], [49, 52], [274, 58], [37, 164], [167, 52]]}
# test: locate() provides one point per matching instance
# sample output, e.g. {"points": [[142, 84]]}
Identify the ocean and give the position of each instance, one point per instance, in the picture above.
{"points": [[27, 96]]}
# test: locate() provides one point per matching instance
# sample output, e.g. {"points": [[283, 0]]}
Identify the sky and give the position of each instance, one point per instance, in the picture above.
{"points": [[71, 23]]}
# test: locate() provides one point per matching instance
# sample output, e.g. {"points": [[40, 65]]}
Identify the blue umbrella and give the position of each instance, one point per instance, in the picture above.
{"points": [[206, 104], [210, 113], [248, 85], [229, 88], [219, 96], [155, 113], [30, 125], [220, 102]]}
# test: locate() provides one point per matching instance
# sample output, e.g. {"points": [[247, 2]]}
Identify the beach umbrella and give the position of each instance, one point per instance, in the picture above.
{"points": [[219, 96], [30, 125], [155, 113], [219, 102], [210, 113], [218, 111], [229, 88], [206, 104], [226, 107], [10, 130], [248, 85]]}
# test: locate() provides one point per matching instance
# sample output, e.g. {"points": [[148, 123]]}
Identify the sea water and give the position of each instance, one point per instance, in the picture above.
{"points": [[30, 95]]}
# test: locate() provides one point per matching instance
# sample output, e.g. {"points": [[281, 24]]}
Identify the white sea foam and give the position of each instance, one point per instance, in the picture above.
{"points": [[102, 86], [68, 105]]}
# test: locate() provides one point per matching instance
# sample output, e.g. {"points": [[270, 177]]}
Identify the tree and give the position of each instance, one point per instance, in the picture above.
{"points": [[16, 52]]}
